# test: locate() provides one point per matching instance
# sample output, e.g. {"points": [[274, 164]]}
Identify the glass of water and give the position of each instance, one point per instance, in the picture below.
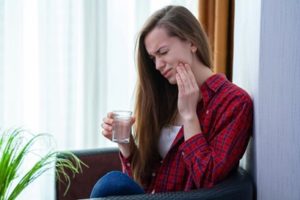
{"points": [[121, 127]]}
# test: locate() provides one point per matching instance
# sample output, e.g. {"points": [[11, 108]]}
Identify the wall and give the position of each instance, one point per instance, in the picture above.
{"points": [[267, 65]]}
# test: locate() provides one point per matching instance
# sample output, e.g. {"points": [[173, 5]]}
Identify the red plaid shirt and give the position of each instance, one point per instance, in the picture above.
{"points": [[225, 116]]}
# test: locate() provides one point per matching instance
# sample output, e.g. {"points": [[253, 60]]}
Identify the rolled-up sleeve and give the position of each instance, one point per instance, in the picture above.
{"points": [[126, 166]]}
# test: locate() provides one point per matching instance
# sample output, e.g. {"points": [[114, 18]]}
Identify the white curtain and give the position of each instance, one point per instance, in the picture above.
{"points": [[64, 64]]}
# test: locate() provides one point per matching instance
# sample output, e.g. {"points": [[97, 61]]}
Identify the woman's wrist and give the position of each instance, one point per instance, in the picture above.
{"points": [[190, 118], [191, 126], [124, 149]]}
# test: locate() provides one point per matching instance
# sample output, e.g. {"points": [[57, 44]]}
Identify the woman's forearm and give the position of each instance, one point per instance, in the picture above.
{"points": [[191, 127]]}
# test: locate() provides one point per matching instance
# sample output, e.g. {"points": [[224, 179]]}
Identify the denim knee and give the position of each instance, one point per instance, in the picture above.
{"points": [[115, 183]]}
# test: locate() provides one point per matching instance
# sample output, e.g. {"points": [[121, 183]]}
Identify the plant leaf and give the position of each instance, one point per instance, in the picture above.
{"points": [[14, 148]]}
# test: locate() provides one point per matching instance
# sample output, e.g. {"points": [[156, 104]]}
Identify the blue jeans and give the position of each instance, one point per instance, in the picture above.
{"points": [[115, 183]]}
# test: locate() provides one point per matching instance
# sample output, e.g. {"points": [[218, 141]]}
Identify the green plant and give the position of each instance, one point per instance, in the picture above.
{"points": [[14, 148]]}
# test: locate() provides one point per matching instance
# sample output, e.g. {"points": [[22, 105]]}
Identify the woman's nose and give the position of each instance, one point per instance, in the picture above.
{"points": [[159, 63]]}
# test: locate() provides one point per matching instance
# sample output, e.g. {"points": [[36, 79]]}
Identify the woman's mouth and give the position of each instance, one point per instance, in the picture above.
{"points": [[167, 73]]}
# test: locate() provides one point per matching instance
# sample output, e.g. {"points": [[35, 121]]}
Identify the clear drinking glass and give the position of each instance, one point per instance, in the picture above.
{"points": [[121, 127]]}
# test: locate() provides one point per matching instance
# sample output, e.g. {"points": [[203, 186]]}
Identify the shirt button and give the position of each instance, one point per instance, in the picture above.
{"points": [[128, 164], [182, 153], [207, 112], [153, 174], [153, 191]]}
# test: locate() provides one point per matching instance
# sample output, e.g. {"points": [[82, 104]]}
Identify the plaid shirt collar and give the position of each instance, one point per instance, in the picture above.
{"points": [[211, 86]]}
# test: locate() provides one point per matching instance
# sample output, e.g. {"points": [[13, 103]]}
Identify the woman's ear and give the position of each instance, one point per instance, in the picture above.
{"points": [[193, 48]]}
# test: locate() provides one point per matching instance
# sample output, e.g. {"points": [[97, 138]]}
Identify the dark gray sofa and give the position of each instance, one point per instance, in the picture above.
{"points": [[238, 186]]}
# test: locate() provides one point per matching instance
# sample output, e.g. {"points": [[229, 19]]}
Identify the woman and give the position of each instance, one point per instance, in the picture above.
{"points": [[191, 126]]}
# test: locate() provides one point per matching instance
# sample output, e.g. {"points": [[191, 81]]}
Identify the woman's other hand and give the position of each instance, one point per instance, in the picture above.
{"points": [[107, 126]]}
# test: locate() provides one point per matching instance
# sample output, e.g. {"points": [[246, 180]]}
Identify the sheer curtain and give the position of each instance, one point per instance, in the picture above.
{"points": [[64, 64]]}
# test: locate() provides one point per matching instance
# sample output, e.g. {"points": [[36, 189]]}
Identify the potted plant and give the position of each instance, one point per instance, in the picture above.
{"points": [[14, 148]]}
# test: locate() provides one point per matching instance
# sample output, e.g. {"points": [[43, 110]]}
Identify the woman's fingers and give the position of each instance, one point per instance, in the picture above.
{"points": [[192, 78], [185, 77], [180, 85], [182, 78], [108, 120], [107, 127], [106, 130], [107, 134], [110, 114]]}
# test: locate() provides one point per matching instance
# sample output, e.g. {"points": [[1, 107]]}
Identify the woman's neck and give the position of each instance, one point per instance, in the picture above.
{"points": [[201, 72]]}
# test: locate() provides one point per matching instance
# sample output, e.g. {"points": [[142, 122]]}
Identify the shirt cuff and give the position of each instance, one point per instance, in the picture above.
{"points": [[123, 159], [126, 166]]}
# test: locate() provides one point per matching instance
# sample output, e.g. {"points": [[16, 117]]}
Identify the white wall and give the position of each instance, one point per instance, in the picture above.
{"points": [[246, 60], [267, 65]]}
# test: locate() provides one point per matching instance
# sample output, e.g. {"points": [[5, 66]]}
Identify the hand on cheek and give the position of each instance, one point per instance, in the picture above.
{"points": [[188, 91]]}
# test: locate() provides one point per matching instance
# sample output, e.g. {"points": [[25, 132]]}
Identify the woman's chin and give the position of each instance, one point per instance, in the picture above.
{"points": [[172, 81]]}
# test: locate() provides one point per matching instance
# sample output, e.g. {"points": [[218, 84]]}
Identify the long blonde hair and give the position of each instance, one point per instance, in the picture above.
{"points": [[156, 98]]}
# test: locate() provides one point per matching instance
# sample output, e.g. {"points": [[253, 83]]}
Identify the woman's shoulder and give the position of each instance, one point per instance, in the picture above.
{"points": [[223, 90], [237, 93]]}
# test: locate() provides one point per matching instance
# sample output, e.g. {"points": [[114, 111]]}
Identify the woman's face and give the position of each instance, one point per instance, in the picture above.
{"points": [[167, 52]]}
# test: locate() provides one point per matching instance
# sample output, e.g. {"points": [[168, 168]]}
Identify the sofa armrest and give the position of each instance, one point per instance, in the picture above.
{"points": [[99, 162]]}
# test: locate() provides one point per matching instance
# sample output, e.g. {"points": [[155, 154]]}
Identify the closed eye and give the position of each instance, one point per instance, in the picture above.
{"points": [[159, 53], [162, 52]]}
